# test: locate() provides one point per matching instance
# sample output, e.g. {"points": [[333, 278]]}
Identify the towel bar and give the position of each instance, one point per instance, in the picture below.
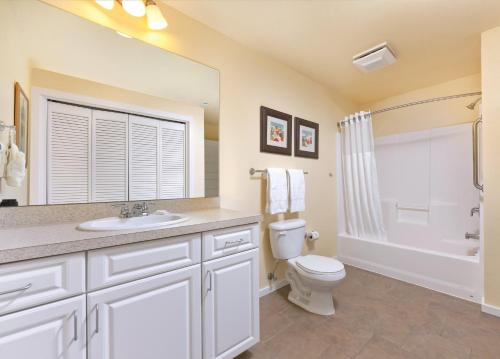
{"points": [[253, 171]]}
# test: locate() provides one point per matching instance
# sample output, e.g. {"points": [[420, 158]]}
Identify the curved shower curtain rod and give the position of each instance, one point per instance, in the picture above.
{"points": [[421, 102]]}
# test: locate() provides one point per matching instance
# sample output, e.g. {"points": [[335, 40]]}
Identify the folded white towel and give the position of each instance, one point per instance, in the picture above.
{"points": [[277, 191], [297, 186], [16, 167]]}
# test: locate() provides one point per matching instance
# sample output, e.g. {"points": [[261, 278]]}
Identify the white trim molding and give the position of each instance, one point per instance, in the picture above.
{"points": [[490, 309], [272, 287]]}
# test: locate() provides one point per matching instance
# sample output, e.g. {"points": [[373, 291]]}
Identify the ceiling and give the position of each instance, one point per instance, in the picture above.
{"points": [[434, 40]]}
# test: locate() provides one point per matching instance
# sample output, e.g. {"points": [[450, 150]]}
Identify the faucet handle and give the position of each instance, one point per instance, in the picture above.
{"points": [[124, 210]]}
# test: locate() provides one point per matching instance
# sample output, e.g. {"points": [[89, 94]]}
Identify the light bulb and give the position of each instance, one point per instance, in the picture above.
{"points": [[156, 21], [107, 4], [134, 7]]}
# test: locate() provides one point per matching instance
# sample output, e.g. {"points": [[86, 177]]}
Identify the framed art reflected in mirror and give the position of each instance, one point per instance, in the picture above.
{"points": [[21, 118]]}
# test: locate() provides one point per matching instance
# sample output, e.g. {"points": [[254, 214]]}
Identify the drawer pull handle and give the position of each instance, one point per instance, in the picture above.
{"points": [[209, 289], [232, 243], [26, 287], [97, 319], [75, 326]]}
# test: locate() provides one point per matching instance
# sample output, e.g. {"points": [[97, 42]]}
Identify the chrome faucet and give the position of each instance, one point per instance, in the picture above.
{"points": [[141, 209], [124, 210], [474, 210], [471, 235]]}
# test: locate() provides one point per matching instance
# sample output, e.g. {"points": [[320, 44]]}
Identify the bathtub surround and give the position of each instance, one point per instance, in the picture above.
{"points": [[427, 194], [363, 212]]}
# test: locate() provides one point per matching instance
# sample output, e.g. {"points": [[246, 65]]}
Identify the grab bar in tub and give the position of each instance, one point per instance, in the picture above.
{"points": [[475, 153]]}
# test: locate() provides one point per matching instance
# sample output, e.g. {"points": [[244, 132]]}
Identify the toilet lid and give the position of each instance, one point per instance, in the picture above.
{"points": [[319, 264]]}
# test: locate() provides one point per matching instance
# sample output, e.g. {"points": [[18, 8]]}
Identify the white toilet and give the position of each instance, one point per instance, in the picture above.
{"points": [[311, 277]]}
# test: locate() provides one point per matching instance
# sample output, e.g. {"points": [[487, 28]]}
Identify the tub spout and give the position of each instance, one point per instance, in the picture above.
{"points": [[471, 235]]}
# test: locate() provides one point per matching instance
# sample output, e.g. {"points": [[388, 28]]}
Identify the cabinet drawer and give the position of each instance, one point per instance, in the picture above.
{"points": [[114, 265], [223, 242], [30, 283]]}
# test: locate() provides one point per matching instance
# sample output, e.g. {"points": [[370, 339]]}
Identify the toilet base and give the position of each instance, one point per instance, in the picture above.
{"points": [[317, 301]]}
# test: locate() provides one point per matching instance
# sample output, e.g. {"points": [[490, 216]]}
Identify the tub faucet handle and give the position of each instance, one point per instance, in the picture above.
{"points": [[474, 210]]}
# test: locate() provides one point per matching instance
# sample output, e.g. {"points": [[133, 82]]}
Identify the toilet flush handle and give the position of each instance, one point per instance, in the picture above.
{"points": [[282, 234]]}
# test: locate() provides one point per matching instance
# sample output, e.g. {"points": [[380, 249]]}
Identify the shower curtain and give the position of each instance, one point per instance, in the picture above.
{"points": [[363, 210]]}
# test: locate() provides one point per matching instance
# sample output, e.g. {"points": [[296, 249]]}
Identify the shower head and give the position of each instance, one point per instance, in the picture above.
{"points": [[472, 105]]}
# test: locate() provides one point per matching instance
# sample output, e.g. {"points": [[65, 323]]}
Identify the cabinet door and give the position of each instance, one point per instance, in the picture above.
{"points": [[230, 305], [172, 160], [68, 154], [153, 318], [109, 156], [50, 331], [143, 158]]}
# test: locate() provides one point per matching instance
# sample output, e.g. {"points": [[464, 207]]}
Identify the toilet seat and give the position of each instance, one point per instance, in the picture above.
{"points": [[319, 265]]}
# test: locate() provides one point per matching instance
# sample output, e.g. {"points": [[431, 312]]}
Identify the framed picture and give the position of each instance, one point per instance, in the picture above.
{"points": [[21, 118], [306, 138], [275, 131]]}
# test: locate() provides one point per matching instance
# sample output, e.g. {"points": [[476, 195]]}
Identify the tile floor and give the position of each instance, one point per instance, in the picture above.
{"points": [[377, 317]]}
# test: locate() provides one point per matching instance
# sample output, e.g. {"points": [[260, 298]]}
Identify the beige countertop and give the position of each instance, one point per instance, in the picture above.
{"points": [[27, 242]]}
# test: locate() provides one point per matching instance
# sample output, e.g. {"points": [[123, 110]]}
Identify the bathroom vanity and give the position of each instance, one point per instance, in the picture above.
{"points": [[187, 291]]}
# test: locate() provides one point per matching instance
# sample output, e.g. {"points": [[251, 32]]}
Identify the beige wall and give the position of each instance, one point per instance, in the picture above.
{"points": [[247, 81], [490, 68], [437, 114]]}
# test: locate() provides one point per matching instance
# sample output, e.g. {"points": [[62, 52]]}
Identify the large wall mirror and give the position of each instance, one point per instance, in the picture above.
{"points": [[100, 117]]}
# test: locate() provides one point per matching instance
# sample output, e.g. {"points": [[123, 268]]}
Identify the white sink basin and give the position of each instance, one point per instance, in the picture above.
{"points": [[155, 220]]}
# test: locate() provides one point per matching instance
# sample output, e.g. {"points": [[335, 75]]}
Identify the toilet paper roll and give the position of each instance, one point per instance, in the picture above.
{"points": [[313, 235]]}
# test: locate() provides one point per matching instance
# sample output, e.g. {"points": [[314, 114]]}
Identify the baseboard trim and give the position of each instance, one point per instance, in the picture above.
{"points": [[412, 278], [490, 309], [272, 287]]}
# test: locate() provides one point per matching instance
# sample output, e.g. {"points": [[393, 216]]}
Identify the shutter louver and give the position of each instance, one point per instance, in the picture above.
{"points": [[172, 160], [143, 158], [110, 156], [68, 162]]}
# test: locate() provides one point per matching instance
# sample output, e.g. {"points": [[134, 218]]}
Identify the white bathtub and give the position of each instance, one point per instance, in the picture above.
{"points": [[425, 183], [456, 272]]}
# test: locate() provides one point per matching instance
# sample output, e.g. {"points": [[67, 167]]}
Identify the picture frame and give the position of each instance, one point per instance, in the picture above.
{"points": [[306, 138], [275, 131], [21, 119]]}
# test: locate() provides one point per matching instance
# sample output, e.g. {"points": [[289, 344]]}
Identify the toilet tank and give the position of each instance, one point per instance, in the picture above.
{"points": [[287, 238]]}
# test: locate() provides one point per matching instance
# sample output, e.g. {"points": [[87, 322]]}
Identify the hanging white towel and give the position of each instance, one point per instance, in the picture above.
{"points": [[16, 167], [3, 159], [297, 186], [277, 191]]}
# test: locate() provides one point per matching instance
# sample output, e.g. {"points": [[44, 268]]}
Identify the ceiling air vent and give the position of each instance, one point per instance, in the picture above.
{"points": [[375, 58]]}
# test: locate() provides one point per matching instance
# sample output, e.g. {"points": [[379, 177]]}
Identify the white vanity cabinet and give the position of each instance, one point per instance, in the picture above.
{"points": [[188, 297], [152, 318], [50, 331], [230, 305]]}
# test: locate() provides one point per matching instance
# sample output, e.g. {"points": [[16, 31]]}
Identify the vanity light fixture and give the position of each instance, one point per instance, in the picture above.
{"points": [[138, 8], [156, 21], [107, 4], [134, 7]]}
